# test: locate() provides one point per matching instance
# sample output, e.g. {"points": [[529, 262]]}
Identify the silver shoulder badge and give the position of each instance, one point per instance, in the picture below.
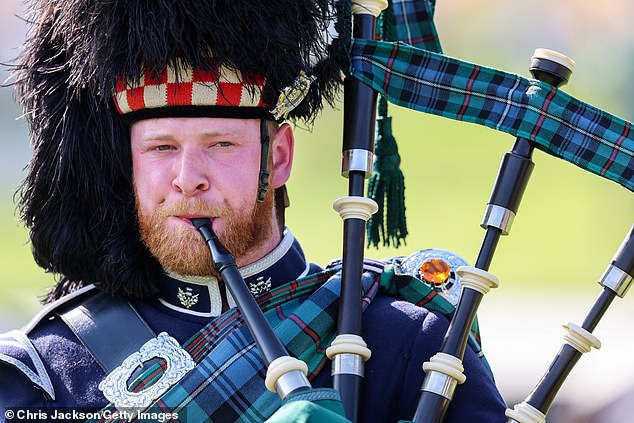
{"points": [[436, 268], [179, 362]]}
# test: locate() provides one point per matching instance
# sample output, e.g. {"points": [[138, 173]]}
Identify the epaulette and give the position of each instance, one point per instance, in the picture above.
{"points": [[436, 268], [17, 350]]}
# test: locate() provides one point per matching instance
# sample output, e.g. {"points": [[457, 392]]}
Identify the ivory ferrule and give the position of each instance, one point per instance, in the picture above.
{"points": [[349, 344], [368, 7], [357, 160], [446, 364], [354, 207], [579, 338], [477, 279], [525, 413], [283, 375], [617, 280], [498, 217]]}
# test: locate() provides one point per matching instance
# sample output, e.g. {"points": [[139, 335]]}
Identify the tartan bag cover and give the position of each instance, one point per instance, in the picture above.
{"points": [[409, 69], [558, 123], [414, 24], [227, 383]]}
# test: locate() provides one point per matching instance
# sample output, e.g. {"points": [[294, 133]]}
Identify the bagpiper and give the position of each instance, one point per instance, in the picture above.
{"points": [[145, 115]]}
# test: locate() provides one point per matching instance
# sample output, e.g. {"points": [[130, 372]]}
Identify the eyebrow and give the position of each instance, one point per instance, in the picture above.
{"points": [[159, 136]]}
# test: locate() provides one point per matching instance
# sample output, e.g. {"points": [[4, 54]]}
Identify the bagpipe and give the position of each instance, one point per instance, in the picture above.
{"points": [[416, 75]]}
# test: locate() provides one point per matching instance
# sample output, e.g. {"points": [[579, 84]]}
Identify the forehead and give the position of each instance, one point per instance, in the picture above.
{"points": [[193, 126]]}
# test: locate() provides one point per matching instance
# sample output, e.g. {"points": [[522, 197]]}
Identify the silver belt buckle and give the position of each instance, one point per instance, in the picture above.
{"points": [[179, 362]]}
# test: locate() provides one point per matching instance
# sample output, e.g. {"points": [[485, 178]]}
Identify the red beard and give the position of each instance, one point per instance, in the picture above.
{"points": [[182, 250]]}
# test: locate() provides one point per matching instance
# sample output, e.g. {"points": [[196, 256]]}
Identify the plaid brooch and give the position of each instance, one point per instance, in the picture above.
{"points": [[184, 91]]}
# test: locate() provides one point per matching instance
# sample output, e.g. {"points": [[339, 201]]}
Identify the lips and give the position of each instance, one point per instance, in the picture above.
{"points": [[193, 216], [186, 218]]}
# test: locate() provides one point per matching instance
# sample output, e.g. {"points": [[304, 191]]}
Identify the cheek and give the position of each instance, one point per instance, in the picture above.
{"points": [[244, 193], [238, 181], [148, 181]]}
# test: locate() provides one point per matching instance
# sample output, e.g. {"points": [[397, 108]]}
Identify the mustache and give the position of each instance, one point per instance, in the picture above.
{"points": [[193, 207]]}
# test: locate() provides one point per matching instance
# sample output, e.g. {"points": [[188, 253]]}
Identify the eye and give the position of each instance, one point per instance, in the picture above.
{"points": [[223, 144], [162, 147]]}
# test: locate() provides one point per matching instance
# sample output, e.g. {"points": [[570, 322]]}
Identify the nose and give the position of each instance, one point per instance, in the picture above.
{"points": [[190, 173]]}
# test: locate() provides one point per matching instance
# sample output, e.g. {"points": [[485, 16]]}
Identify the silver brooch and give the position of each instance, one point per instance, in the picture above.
{"points": [[260, 286], [291, 96], [178, 361], [187, 298], [435, 268]]}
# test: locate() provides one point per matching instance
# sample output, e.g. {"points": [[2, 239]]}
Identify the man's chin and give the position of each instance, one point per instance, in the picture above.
{"points": [[195, 262]]}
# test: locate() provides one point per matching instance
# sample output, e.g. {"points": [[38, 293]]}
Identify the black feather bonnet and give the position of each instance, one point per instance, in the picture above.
{"points": [[77, 199]]}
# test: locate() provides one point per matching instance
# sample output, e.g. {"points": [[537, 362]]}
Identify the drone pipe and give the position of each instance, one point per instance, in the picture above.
{"points": [[348, 351], [513, 175], [616, 280]]}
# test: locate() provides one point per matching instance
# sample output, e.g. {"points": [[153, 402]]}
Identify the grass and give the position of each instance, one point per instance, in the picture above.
{"points": [[23, 280]]}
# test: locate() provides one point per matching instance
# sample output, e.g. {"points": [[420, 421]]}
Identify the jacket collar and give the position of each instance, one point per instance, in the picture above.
{"points": [[201, 296]]}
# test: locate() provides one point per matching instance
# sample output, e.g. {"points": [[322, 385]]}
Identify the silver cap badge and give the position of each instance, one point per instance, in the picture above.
{"points": [[291, 96]]}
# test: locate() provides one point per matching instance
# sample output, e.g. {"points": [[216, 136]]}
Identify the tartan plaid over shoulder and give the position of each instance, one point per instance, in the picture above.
{"points": [[558, 123], [227, 383]]}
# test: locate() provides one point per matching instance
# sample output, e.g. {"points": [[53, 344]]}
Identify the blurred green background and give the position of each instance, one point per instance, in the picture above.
{"points": [[567, 229]]}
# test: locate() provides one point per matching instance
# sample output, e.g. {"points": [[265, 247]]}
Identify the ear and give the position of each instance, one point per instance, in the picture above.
{"points": [[283, 146]]}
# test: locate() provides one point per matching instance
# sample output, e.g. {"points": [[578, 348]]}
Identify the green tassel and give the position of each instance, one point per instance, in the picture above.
{"points": [[386, 186]]}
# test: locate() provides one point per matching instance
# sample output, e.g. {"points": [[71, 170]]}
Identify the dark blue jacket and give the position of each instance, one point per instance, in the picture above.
{"points": [[400, 335]]}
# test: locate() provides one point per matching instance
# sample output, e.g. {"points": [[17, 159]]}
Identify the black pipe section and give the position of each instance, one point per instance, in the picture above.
{"points": [[512, 178], [624, 257], [544, 393], [358, 134], [224, 264], [431, 407], [359, 102]]}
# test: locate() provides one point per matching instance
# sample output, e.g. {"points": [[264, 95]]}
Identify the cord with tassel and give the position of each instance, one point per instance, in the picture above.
{"points": [[386, 186]]}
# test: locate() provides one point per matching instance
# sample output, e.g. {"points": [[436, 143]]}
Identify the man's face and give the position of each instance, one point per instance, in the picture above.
{"points": [[205, 167]]}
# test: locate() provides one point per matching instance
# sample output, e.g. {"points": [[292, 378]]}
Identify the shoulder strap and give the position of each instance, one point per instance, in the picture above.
{"points": [[109, 328], [61, 304]]}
